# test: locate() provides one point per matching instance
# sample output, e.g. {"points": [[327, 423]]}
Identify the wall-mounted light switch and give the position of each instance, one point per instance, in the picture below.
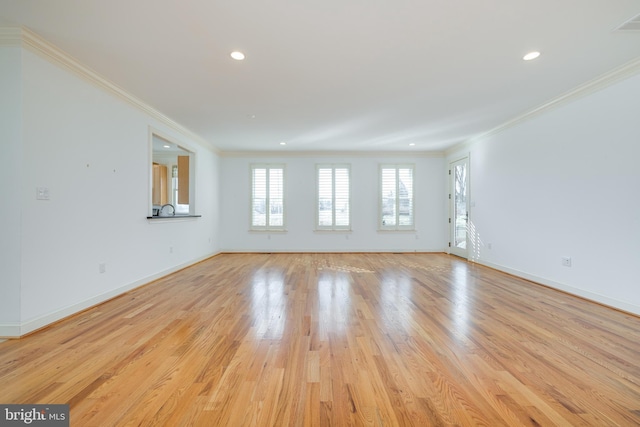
{"points": [[42, 193]]}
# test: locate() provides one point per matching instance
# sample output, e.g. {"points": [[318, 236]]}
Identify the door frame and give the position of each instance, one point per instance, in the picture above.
{"points": [[463, 253]]}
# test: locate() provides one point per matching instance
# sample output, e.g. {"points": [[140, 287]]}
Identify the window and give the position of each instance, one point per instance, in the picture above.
{"points": [[334, 209], [267, 197], [396, 197]]}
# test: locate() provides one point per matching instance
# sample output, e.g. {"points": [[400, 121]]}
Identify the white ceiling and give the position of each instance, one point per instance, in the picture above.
{"points": [[338, 74]]}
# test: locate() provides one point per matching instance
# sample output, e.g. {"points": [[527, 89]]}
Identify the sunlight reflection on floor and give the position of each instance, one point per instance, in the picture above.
{"points": [[268, 304], [460, 301]]}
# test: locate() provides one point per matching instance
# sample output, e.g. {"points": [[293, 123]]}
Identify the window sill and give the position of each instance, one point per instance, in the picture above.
{"points": [[172, 217], [272, 230]]}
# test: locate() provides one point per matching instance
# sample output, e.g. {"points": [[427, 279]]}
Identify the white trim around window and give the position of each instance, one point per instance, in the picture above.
{"points": [[396, 197], [333, 197], [267, 205]]}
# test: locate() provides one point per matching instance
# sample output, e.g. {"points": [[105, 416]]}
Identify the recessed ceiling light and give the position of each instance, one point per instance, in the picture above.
{"points": [[238, 56], [283, 143], [411, 144], [166, 146], [531, 55]]}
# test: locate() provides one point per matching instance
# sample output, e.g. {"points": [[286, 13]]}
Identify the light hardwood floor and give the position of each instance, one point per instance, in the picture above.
{"points": [[334, 339]]}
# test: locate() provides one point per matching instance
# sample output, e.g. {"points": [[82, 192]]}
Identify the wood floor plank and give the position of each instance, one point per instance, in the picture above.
{"points": [[335, 339]]}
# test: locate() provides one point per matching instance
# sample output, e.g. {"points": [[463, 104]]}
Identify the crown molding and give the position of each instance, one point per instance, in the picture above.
{"points": [[341, 154], [27, 39], [614, 76]]}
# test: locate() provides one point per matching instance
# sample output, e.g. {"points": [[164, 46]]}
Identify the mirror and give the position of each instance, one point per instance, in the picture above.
{"points": [[172, 178]]}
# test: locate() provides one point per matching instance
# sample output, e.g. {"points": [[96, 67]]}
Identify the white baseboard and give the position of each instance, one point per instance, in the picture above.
{"points": [[332, 251], [592, 296], [16, 330]]}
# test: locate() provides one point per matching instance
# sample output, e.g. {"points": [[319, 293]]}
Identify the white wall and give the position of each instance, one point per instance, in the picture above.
{"points": [[10, 189], [565, 184], [300, 193], [91, 150]]}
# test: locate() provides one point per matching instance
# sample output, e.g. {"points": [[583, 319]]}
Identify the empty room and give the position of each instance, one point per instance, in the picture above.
{"points": [[315, 213]]}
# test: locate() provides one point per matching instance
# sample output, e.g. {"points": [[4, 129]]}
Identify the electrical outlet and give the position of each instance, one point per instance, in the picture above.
{"points": [[102, 267], [489, 245], [566, 261], [170, 249]]}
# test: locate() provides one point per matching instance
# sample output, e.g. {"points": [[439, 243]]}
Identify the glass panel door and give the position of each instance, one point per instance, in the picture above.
{"points": [[459, 207]]}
